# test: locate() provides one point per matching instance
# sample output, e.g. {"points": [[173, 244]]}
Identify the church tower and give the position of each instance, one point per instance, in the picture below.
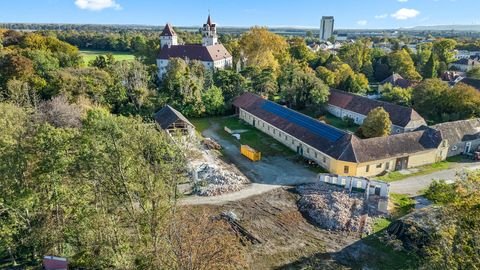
{"points": [[209, 33], [168, 37]]}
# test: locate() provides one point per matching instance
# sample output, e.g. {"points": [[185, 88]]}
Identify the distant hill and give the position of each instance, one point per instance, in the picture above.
{"points": [[470, 28]]}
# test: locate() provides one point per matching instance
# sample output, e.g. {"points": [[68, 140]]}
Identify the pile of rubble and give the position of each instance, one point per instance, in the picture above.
{"points": [[332, 208], [216, 180], [211, 144]]}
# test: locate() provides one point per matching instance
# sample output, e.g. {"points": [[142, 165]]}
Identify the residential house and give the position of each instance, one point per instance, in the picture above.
{"points": [[173, 121], [466, 64], [463, 136], [343, 104], [395, 80], [210, 53], [335, 150]]}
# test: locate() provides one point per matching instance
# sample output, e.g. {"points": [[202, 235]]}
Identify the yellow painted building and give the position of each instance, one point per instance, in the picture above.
{"points": [[335, 150]]}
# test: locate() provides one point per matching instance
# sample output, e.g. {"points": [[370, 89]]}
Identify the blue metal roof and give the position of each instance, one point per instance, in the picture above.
{"points": [[318, 128]]}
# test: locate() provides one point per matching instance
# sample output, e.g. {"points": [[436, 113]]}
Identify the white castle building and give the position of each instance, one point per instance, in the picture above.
{"points": [[212, 54]]}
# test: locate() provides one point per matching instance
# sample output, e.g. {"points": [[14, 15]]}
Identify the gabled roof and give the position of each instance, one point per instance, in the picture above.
{"points": [[399, 115], [195, 52], [460, 131], [397, 145], [397, 80], [336, 143], [311, 131], [168, 31], [168, 115], [463, 61]]}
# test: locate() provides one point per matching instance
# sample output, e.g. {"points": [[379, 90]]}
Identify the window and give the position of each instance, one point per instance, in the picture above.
{"points": [[285, 137], [368, 168], [345, 169], [387, 165], [315, 154], [324, 159], [308, 150], [379, 165]]}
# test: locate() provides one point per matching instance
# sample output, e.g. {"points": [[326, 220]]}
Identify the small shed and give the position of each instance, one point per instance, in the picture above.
{"points": [[173, 121], [55, 263]]}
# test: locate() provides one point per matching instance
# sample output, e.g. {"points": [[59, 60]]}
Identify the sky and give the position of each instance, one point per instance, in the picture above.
{"points": [[296, 13]]}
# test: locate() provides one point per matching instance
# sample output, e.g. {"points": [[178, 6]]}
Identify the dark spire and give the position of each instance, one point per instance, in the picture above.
{"points": [[209, 21]]}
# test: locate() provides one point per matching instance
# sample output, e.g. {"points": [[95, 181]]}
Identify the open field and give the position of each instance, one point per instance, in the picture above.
{"points": [[89, 55]]}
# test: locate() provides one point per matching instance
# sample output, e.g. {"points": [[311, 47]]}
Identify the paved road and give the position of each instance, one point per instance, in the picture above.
{"points": [[416, 184]]}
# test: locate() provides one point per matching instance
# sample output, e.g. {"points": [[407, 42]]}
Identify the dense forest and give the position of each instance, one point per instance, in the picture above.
{"points": [[84, 172]]}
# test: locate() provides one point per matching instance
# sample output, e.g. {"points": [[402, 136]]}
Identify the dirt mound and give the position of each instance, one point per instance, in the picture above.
{"points": [[333, 208]]}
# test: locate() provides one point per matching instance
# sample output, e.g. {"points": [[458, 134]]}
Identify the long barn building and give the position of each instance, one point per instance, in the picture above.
{"points": [[335, 150]]}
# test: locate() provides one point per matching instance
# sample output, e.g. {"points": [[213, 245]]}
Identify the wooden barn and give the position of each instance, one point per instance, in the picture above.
{"points": [[173, 121]]}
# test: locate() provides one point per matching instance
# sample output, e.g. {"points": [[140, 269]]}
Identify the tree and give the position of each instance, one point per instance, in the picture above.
{"points": [[299, 50], [397, 95], [263, 49], [427, 98], [357, 55], [454, 244], [444, 49], [401, 62], [430, 68], [376, 124], [300, 87], [232, 83], [213, 101]]}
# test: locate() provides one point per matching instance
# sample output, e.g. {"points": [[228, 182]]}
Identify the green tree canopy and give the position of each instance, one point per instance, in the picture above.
{"points": [[376, 124]]}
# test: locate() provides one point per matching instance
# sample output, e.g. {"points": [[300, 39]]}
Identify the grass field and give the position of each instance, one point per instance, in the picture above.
{"points": [[89, 55]]}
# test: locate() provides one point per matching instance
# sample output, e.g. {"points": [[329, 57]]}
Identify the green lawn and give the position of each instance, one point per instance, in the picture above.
{"points": [[402, 205], [89, 55], [427, 169], [254, 138], [331, 120]]}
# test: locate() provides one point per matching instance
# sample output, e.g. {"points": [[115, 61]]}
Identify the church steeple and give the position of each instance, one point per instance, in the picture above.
{"points": [[168, 37], [209, 21], [209, 33]]}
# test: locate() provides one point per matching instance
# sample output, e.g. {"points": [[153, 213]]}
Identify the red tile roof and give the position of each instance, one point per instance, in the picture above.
{"points": [[168, 31], [195, 52], [396, 80], [399, 115]]}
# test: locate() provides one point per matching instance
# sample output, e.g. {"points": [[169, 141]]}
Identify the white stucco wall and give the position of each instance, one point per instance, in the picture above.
{"points": [[291, 142]]}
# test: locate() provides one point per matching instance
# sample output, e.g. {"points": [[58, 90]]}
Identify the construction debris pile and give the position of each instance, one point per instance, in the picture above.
{"points": [[333, 208], [215, 180]]}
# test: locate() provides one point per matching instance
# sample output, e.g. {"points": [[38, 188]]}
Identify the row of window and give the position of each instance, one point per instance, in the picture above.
{"points": [[269, 127]]}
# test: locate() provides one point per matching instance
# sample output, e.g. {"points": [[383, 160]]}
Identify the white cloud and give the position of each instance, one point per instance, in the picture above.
{"points": [[362, 22], [405, 13], [97, 4], [381, 16], [402, 1]]}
